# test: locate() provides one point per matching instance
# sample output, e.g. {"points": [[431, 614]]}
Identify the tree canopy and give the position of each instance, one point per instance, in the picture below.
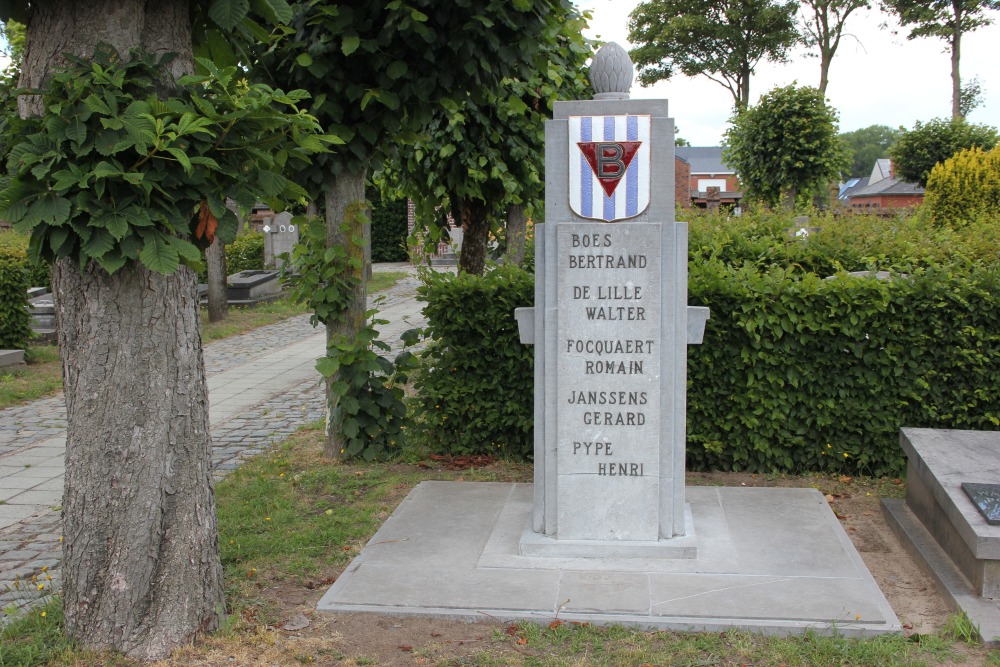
{"points": [[948, 20], [785, 145], [917, 151], [868, 144], [723, 40]]}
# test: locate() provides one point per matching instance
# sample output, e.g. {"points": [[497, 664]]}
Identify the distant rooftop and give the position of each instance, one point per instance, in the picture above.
{"points": [[704, 159]]}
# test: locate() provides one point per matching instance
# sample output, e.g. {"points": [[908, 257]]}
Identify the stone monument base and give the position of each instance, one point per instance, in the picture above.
{"points": [[768, 560], [543, 546], [941, 526]]}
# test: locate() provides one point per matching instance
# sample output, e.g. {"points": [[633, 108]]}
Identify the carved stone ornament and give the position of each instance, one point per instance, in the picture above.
{"points": [[611, 73]]}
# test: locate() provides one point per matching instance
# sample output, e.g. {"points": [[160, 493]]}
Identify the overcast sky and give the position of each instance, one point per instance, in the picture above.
{"points": [[878, 78]]}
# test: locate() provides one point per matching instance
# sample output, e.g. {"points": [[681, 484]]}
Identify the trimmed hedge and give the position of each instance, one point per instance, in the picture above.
{"points": [[15, 319], [796, 373], [475, 392], [388, 228], [245, 253]]}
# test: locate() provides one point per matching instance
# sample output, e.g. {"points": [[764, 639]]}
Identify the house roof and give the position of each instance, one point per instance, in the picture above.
{"points": [[704, 159], [887, 186], [851, 186], [882, 169]]}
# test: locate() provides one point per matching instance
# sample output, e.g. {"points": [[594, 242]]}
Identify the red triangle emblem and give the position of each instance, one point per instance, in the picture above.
{"points": [[609, 160]]}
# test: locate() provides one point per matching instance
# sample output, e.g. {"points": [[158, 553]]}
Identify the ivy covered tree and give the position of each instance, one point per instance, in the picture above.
{"points": [[723, 40], [917, 151], [119, 169], [786, 145], [949, 20], [379, 71]]}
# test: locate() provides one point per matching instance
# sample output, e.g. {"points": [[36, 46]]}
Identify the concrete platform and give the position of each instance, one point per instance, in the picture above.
{"points": [[769, 560]]}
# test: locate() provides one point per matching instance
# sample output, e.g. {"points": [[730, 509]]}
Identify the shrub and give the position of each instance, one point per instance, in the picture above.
{"points": [[15, 245], [475, 392], [245, 253], [917, 151], [964, 188], [388, 229], [15, 320]]}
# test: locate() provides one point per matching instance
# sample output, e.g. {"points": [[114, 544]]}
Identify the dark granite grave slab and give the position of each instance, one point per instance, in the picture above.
{"points": [[986, 497]]}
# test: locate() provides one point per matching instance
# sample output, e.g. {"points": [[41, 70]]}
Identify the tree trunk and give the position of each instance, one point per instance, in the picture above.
{"points": [[215, 262], [956, 76], [141, 570], [345, 202], [475, 235], [517, 230]]}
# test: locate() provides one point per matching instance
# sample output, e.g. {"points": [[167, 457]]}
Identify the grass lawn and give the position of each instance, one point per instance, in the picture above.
{"points": [[289, 522], [42, 375]]}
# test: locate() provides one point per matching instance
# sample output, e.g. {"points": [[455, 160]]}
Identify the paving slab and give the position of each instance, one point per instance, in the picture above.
{"points": [[768, 560]]}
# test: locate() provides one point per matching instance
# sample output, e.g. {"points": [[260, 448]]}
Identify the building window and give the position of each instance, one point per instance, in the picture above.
{"points": [[706, 183]]}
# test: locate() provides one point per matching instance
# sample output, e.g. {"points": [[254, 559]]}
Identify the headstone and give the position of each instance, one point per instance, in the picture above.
{"points": [[713, 197], [280, 236], [986, 498], [249, 287], [610, 330]]}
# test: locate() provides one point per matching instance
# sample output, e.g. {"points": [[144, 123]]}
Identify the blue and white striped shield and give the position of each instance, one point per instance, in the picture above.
{"points": [[609, 166]]}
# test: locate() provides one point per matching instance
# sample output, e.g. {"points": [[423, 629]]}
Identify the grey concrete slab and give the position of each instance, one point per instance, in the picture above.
{"points": [[983, 612], [452, 549]]}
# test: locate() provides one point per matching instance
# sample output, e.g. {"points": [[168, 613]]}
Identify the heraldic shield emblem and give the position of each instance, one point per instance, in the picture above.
{"points": [[609, 166]]}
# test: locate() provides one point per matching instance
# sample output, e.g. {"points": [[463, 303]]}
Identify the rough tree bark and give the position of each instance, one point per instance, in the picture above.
{"points": [[141, 570], [475, 235], [215, 263], [517, 230], [344, 201]]}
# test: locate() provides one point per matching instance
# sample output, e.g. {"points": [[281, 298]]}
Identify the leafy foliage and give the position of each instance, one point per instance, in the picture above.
{"points": [[868, 144], [389, 228], [917, 151], [964, 187], [785, 145], [245, 253], [366, 397], [114, 173], [476, 387], [723, 41], [15, 320]]}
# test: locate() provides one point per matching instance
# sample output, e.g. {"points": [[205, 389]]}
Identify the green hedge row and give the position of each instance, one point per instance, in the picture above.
{"points": [[795, 373], [245, 253], [475, 390], [388, 228], [15, 319]]}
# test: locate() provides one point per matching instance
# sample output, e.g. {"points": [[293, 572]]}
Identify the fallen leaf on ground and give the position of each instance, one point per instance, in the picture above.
{"points": [[845, 479], [830, 498], [555, 624]]}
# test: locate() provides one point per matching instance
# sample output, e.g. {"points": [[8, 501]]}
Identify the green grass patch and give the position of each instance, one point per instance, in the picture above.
{"points": [[383, 280], [41, 376], [565, 644], [241, 319]]}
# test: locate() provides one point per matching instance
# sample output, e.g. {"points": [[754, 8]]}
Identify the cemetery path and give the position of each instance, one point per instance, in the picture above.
{"points": [[262, 386]]}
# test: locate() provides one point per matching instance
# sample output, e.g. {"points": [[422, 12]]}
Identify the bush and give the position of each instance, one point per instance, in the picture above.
{"points": [[796, 373], [388, 229], [917, 151], [15, 245], [964, 188], [475, 392], [15, 319], [245, 253]]}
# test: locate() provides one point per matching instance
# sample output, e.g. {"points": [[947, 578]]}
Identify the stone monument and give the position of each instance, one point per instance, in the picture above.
{"points": [[610, 328], [280, 237]]}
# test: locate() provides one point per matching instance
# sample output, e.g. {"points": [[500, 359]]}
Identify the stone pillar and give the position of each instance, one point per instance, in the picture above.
{"points": [[610, 328]]}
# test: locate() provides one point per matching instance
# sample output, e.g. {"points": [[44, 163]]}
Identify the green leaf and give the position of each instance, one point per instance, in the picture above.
{"points": [[111, 261], [327, 366], [99, 243], [396, 69], [228, 13], [157, 254], [350, 44], [275, 11], [304, 60]]}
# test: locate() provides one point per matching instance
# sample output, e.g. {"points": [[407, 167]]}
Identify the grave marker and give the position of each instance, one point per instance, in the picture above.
{"points": [[610, 328]]}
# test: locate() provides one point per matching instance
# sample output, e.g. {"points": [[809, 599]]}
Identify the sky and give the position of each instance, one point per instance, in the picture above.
{"points": [[877, 78]]}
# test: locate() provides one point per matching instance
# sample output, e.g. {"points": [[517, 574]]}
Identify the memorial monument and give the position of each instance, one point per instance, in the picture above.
{"points": [[608, 533]]}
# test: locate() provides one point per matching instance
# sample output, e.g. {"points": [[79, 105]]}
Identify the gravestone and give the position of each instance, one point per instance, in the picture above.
{"points": [[610, 329], [280, 236]]}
